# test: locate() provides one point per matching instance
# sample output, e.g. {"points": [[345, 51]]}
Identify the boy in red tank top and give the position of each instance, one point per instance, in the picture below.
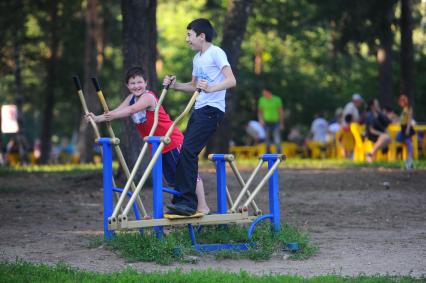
{"points": [[140, 106]]}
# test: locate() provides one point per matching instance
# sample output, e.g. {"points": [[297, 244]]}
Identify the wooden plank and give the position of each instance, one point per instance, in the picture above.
{"points": [[213, 219]]}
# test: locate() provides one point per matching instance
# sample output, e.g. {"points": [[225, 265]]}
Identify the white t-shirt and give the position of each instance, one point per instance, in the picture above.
{"points": [[208, 66], [319, 129], [350, 108]]}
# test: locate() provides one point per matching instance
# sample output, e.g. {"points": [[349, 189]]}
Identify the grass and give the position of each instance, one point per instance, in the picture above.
{"points": [[292, 163], [27, 272], [51, 168], [176, 245], [298, 163]]}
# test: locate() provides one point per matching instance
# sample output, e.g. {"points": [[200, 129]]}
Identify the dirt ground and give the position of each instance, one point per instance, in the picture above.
{"points": [[360, 224]]}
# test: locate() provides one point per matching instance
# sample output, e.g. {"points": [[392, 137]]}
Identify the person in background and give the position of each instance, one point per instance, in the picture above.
{"points": [[319, 128], [336, 122], [345, 137], [376, 124], [256, 132], [352, 108], [407, 131], [271, 116]]}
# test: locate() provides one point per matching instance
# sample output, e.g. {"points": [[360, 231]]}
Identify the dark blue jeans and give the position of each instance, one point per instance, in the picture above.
{"points": [[273, 134], [201, 126]]}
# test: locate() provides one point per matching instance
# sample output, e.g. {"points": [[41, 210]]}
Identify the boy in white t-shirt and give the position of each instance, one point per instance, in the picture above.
{"points": [[212, 74]]}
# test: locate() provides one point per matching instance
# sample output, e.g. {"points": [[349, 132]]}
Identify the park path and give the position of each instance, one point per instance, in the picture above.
{"points": [[360, 225]]}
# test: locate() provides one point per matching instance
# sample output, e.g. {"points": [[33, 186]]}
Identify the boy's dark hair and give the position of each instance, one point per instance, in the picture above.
{"points": [[133, 72], [200, 26], [348, 118]]}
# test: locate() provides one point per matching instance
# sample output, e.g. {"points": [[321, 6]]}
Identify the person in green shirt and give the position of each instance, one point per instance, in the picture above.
{"points": [[271, 116]]}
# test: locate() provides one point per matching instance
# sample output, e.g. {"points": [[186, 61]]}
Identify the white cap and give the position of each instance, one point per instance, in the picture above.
{"points": [[356, 96]]}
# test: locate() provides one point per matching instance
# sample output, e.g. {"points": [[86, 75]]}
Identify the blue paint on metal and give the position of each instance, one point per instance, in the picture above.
{"points": [[270, 156], [108, 185], [215, 247], [172, 191], [219, 247], [134, 206], [257, 220], [221, 185], [192, 235], [157, 184], [294, 247], [274, 199]]}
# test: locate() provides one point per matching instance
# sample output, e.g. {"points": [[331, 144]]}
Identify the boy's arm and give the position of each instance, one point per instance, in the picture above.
{"points": [[123, 104], [186, 87], [101, 117], [144, 102], [228, 82]]}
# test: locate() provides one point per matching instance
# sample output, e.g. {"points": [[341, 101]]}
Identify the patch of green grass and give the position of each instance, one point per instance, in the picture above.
{"points": [[27, 272], [146, 247], [57, 168], [298, 163], [176, 245], [96, 242]]}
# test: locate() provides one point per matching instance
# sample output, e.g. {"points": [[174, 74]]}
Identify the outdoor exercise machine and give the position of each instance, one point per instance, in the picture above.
{"points": [[139, 208], [116, 216]]}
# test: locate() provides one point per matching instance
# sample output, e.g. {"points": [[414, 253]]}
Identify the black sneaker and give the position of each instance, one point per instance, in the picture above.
{"points": [[179, 209]]}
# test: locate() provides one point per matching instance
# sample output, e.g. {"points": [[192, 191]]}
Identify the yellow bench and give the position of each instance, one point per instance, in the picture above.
{"points": [[248, 152], [362, 146]]}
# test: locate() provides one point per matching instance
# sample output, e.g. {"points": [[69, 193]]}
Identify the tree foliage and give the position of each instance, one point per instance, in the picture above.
{"points": [[313, 54]]}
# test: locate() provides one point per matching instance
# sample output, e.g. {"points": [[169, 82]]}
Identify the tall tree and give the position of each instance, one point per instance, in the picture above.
{"points": [[51, 64], [407, 51], [92, 61], [233, 33], [384, 53], [139, 48]]}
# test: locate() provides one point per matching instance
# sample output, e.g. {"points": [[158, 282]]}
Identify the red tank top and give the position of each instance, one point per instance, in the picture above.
{"points": [[146, 119]]}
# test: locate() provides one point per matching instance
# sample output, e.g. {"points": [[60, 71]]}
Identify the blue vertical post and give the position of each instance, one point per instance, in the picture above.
{"points": [[274, 199], [108, 187], [221, 183], [157, 184]]}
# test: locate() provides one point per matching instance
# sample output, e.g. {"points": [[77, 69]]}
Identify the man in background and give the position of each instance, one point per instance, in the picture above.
{"points": [[271, 117]]}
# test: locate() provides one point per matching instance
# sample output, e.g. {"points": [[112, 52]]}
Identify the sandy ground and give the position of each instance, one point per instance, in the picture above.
{"points": [[360, 225]]}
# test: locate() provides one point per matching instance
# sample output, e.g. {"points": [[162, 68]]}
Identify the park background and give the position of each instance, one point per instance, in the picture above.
{"points": [[312, 54], [362, 220]]}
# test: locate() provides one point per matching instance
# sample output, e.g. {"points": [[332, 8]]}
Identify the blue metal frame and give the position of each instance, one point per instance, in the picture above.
{"points": [[108, 185], [157, 184], [274, 198], [158, 189], [216, 247], [109, 188], [221, 183]]}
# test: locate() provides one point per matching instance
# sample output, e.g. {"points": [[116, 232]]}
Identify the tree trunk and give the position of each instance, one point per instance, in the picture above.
{"points": [[233, 33], [407, 52], [50, 85], [93, 51], [139, 49], [384, 56]]}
